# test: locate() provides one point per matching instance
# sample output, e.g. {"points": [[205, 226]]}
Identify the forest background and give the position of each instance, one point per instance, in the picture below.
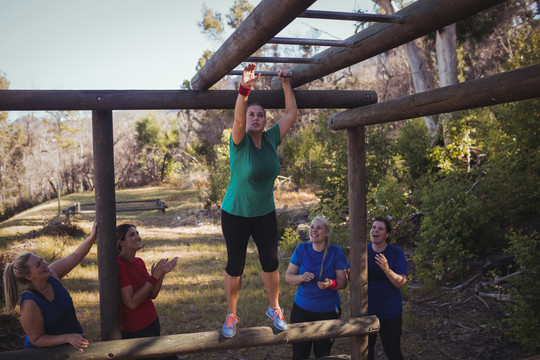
{"points": [[460, 188]]}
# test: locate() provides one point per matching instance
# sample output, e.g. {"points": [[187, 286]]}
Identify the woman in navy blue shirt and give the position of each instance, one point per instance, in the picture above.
{"points": [[318, 269], [387, 275]]}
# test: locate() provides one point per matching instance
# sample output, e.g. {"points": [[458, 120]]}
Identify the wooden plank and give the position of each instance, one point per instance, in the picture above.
{"points": [[265, 21], [210, 341], [109, 293], [24, 100], [515, 85], [419, 18], [356, 155]]}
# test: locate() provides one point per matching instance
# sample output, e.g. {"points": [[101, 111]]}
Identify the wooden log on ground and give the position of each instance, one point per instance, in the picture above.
{"points": [[42, 100], [203, 342], [506, 87]]}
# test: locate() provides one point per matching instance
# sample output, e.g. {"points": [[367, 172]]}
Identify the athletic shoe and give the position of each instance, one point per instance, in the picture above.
{"points": [[229, 328], [277, 316]]}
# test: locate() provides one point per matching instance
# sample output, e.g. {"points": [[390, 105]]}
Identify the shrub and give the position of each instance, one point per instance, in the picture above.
{"points": [[289, 240], [391, 198], [219, 172], [413, 145], [456, 225], [525, 291]]}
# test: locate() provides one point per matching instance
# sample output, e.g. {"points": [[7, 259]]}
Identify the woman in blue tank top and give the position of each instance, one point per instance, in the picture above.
{"points": [[47, 313]]}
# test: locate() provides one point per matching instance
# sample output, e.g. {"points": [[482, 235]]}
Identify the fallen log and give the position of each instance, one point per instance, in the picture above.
{"points": [[204, 341]]}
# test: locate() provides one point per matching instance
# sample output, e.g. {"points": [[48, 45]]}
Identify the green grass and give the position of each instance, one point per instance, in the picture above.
{"points": [[192, 298]]}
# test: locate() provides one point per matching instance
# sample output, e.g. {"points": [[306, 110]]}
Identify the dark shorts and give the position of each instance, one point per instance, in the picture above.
{"points": [[237, 231]]}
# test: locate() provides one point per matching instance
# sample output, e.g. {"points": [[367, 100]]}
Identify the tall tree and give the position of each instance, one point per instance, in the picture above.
{"points": [[420, 69], [62, 126], [156, 144]]}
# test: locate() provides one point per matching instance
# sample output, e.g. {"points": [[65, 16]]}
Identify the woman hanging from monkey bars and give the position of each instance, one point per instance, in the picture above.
{"points": [[248, 208]]}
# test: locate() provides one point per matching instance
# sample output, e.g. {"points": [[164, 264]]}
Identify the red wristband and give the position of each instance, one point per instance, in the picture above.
{"points": [[152, 280], [244, 91], [334, 284]]}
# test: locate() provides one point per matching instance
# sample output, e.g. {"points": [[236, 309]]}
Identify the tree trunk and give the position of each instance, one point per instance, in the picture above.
{"points": [[446, 44], [417, 64], [422, 82]]}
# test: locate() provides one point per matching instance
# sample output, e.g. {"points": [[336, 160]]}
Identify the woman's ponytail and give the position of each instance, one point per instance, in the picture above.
{"points": [[15, 275]]}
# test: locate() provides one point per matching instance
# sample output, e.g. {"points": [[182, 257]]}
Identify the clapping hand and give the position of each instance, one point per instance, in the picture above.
{"points": [[170, 265]]}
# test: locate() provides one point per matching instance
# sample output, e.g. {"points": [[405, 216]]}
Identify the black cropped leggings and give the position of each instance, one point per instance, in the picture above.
{"points": [[390, 333], [237, 231], [302, 350]]}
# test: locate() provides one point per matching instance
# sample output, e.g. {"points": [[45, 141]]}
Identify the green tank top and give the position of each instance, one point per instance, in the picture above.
{"points": [[253, 171]]}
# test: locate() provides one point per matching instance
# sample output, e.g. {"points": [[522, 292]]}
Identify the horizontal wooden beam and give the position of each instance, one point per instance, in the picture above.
{"points": [[210, 341], [509, 86], [419, 18], [264, 22], [38, 100]]}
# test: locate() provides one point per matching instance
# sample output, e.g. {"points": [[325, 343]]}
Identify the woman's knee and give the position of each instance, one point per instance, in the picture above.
{"points": [[234, 270], [270, 265]]}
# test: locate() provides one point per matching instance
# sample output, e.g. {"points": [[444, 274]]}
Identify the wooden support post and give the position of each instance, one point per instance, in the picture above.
{"points": [[37, 100], [109, 288], [419, 18], [356, 153], [210, 341], [266, 20], [509, 86]]}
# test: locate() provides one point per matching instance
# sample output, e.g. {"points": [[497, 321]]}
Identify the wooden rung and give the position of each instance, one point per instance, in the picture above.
{"points": [[312, 42], [204, 342], [288, 60], [354, 16]]}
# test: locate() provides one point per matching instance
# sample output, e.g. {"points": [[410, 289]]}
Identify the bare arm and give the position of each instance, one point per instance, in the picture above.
{"points": [[63, 266], [239, 126], [132, 299], [32, 323], [398, 280], [291, 110], [293, 278]]}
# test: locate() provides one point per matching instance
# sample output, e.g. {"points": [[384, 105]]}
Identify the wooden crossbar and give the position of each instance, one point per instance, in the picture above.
{"points": [[210, 341]]}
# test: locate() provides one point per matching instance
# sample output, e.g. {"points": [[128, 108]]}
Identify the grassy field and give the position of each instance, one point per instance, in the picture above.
{"points": [[192, 298], [443, 325]]}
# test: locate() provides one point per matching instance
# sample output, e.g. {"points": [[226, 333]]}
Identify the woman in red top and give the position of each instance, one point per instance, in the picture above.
{"points": [[138, 316]]}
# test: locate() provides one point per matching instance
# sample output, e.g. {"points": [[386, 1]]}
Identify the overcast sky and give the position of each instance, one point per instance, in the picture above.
{"points": [[122, 44]]}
